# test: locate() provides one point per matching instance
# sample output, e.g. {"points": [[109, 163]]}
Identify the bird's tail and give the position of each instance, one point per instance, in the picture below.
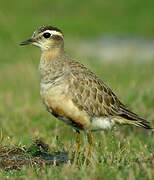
{"points": [[128, 117]]}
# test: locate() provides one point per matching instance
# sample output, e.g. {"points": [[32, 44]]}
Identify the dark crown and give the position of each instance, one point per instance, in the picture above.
{"points": [[44, 28]]}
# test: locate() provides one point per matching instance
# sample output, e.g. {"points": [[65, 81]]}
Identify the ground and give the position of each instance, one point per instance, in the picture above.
{"points": [[126, 152], [123, 152]]}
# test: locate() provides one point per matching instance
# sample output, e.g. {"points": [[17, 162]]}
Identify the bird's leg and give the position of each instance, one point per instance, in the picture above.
{"points": [[78, 141], [90, 142]]}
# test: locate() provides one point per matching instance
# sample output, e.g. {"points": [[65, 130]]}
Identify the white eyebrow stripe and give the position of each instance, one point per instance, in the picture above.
{"points": [[52, 32]]}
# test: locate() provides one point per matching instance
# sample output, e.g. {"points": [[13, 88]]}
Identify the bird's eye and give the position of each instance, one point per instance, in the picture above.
{"points": [[46, 35]]}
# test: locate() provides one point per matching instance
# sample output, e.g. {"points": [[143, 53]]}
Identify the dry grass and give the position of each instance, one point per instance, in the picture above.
{"points": [[126, 152]]}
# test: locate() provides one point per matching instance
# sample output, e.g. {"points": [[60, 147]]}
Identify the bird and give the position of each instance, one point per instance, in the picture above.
{"points": [[73, 93]]}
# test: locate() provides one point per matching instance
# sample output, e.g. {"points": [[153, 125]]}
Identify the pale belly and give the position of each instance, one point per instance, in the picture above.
{"points": [[60, 104], [102, 123]]}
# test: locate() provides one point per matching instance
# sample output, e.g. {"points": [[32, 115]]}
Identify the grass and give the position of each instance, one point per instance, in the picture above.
{"points": [[124, 153]]}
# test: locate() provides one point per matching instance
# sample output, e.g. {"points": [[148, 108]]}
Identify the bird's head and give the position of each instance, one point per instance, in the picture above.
{"points": [[47, 38]]}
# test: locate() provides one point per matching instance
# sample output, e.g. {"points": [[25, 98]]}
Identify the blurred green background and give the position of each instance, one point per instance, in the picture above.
{"points": [[126, 153], [79, 18]]}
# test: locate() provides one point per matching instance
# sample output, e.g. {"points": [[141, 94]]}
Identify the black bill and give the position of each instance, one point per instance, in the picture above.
{"points": [[29, 41]]}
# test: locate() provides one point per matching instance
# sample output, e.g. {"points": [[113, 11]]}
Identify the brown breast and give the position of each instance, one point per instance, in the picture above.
{"points": [[60, 104]]}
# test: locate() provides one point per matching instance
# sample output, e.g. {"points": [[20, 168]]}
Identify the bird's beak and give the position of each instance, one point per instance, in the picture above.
{"points": [[29, 41]]}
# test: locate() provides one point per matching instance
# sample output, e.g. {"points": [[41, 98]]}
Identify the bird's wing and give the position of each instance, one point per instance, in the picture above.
{"points": [[89, 93]]}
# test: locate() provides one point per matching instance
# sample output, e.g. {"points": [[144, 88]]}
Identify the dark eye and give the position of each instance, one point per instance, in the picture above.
{"points": [[46, 35]]}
